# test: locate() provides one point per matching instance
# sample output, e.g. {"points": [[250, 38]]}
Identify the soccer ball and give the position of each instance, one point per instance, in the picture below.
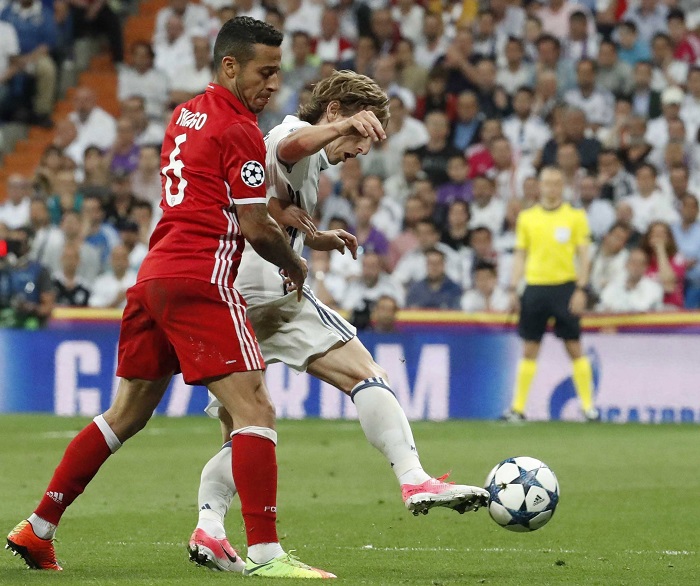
{"points": [[524, 493]]}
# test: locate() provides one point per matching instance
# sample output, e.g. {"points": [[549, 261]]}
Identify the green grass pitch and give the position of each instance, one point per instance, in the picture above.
{"points": [[629, 509]]}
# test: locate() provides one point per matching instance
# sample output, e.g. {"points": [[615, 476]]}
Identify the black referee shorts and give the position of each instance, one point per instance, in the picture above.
{"points": [[541, 302]]}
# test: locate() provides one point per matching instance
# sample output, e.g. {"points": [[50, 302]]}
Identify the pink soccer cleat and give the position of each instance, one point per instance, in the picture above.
{"points": [[435, 492], [212, 553]]}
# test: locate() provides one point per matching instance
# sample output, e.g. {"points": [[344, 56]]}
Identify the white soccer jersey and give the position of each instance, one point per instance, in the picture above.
{"points": [[258, 280]]}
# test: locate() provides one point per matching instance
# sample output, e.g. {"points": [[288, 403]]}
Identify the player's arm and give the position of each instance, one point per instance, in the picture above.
{"points": [[308, 140], [516, 276], [270, 242], [285, 213], [333, 240]]}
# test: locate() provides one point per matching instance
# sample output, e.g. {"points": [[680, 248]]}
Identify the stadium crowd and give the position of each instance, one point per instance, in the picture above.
{"points": [[482, 96]]}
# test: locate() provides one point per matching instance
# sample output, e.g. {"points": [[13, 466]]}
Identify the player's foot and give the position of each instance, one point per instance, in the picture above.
{"points": [[435, 492], [592, 415], [212, 553], [513, 416], [284, 566], [37, 553]]}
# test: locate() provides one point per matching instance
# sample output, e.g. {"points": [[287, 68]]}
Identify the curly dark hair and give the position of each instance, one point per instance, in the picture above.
{"points": [[671, 246]]}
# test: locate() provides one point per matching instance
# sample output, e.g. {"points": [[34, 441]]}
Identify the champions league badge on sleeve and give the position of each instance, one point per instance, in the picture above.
{"points": [[253, 174]]}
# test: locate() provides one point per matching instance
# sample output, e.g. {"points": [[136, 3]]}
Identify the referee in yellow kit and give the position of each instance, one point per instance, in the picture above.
{"points": [[551, 250]]}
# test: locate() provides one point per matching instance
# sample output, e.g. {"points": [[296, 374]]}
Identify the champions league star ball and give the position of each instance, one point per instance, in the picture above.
{"points": [[253, 174], [524, 493]]}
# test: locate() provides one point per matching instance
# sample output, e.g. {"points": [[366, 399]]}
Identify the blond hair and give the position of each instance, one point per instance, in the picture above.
{"points": [[353, 91]]}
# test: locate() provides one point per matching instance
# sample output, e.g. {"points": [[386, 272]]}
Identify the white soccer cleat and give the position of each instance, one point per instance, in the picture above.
{"points": [[212, 553], [435, 492]]}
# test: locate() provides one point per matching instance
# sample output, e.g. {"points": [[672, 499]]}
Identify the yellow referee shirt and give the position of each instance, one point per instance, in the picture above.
{"points": [[550, 238]]}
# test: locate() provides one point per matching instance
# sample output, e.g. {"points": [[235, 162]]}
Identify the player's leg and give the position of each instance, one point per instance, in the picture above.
{"points": [[568, 328], [85, 454], [534, 314], [351, 368], [208, 545]]}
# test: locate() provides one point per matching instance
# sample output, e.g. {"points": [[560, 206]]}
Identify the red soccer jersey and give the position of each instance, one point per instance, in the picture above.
{"points": [[213, 159]]}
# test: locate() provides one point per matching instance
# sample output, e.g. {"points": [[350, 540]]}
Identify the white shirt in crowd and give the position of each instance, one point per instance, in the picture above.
{"points": [[601, 216], [599, 107], [99, 129], [136, 256], [474, 300], [655, 207], [412, 266], [646, 295], [490, 216], [15, 216], [9, 45], [605, 268], [306, 19], [172, 57], [195, 20], [107, 287], [412, 135], [509, 182], [357, 292], [152, 86], [411, 24], [527, 137]]}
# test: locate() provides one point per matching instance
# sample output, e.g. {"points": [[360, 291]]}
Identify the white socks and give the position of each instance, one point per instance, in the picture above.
{"points": [[42, 528], [216, 491], [262, 553], [387, 429]]}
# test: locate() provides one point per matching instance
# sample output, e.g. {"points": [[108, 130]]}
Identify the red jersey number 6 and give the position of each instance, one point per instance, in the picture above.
{"points": [[174, 169]]}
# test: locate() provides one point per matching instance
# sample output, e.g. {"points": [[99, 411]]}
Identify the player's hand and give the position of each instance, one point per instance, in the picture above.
{"points": [[336, 240], [577, 303], [295, 277], [298, 218], [364, 123]]}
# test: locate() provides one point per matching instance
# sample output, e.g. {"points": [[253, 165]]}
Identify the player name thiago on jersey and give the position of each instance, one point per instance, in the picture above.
{"points": [[191, 119]]}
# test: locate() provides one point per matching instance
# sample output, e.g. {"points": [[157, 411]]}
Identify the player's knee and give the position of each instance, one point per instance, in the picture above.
{"points": [[125, 424]]}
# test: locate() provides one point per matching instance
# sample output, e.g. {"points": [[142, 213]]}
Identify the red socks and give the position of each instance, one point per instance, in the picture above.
{"points": [[81, 461], [255, 476]]}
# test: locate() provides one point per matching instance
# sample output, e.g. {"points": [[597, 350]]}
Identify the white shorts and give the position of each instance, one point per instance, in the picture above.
{"points": [[293, 332]]}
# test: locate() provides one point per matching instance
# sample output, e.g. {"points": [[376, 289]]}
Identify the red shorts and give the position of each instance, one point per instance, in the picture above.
{"points": [[188, 326]]}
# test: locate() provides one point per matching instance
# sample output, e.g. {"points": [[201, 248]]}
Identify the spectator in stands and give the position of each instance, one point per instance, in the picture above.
{"points": [[486, 209], [14, 213], [65, 197], [94, 125], [388, 214], [174, 50], [458, 188], [616, 183], [478, 156], [649, 203], [504, 241], [546, 97], [486, 44], [123, 157], [632, 48], [96, 230], [252, 8], [411, 75], [574, 131], [95, 172], [597, 104], [482, 248], [556, 16], [399, 185], [508, 172], [330, 45], [460, 62], [28, 295], [579, 44], [435, 96], [666, 265], [195, 19], [667, 70], [609, 258], [435, 154], [9, 66], [414, 211], [404, 132], [129, 237], [366, 52], [36, 31], [433, 44], [686, 233], [146, 131], [117, 206], [570, 165], [526, 132], [486, 295], [659, 130], [550, 58], [66, 139], [141, 79], [326, 285], [383, 315], [686, 46], [146, 178], [71, 290], [368, 236], [649, 17], [46, 236], [493, 100], [373, 282], [516, 72], [96, 18], [303, 66], [45, 175], [632, 290], [304, 16], [646, 101], [410, 17], [456, 231], [109, 289], [600, 212], [634, 148], [614, 75], [436, 291], [412, 266], [142, 214], [193, 79], [468, 121], [677, 184], [384, 30]]}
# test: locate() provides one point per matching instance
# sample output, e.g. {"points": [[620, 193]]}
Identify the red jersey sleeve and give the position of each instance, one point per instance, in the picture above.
{"points": [[243, 159]]}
